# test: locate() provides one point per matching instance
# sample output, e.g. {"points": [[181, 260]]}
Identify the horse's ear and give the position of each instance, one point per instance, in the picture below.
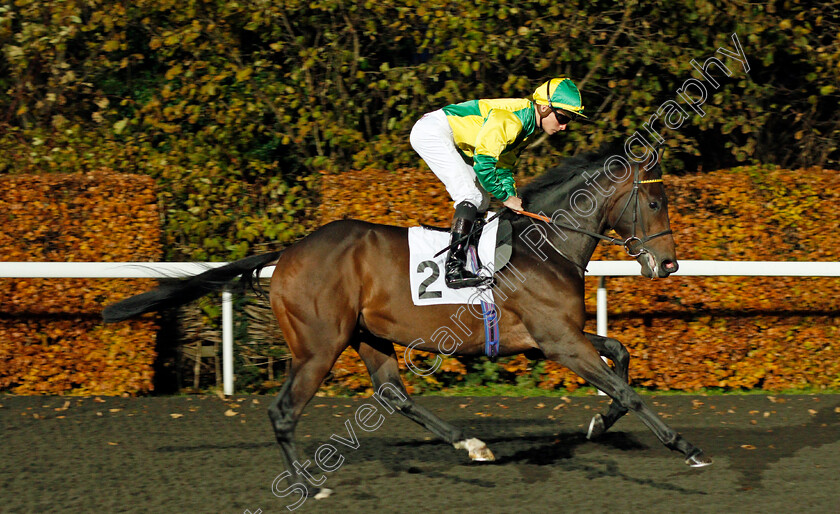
{"points": [[652, 158], [660, 152]]}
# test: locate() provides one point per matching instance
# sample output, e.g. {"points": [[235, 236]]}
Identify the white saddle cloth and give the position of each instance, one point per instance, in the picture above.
{"points": [[426, 271]]}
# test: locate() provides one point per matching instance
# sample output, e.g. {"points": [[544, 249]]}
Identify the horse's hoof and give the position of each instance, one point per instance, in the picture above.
{"points": [[596, 427], [699, 460], [323, 493], [482, 455], [477, 449]]}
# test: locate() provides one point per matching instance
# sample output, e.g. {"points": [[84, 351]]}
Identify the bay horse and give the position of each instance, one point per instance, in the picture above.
{"points": [[347, 284]]}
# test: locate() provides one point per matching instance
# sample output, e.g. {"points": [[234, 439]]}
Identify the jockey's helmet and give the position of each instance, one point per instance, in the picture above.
{"points": [[560, 94]]}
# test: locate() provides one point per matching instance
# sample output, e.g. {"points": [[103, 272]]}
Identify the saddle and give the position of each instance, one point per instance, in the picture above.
{"points": [[504, 241]]}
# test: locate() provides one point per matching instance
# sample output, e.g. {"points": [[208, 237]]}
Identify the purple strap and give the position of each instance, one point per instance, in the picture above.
{"points": [[488, 310]]}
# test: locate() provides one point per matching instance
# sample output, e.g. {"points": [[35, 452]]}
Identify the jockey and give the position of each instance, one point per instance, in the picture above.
{"points": [[477, 143]]}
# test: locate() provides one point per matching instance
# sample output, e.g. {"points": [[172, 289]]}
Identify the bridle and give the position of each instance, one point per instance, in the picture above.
{"points": [[626, 243], [634, 198]]}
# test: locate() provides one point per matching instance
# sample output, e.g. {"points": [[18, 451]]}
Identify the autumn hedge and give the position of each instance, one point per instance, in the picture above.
{"points": [[684, 333], [52, 340]]}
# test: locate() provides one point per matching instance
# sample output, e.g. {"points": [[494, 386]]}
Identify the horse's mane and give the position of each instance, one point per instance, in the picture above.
{"points": [[560, 180], [569, 168]]}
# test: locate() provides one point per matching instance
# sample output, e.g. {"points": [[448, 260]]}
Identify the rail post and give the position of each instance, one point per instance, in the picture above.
{"points": [[601, 306], [601, 313], [227, 342]]}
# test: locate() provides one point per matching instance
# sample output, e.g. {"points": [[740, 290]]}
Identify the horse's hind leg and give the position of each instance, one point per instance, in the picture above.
{"points": [[615, 351], [381, 361], [303, 381]]}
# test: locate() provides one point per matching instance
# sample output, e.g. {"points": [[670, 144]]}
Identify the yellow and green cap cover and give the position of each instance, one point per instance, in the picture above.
{"points": [[560, 93]]}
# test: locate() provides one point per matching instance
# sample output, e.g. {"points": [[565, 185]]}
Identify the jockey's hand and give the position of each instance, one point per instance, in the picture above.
{"points": [[514, 203]]}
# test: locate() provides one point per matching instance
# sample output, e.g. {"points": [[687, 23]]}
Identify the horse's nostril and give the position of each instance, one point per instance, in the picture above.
{"points": [[670, 266]]}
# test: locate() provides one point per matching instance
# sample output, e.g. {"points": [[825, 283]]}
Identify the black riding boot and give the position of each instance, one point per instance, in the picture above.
{"points": [[457, 274]]}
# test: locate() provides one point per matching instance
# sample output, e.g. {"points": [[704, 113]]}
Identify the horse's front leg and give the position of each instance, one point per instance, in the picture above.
{"points": [[615, 351], [572, 349]]}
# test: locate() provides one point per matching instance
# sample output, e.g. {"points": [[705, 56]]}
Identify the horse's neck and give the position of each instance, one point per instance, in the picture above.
{"points": [[558, 205]]}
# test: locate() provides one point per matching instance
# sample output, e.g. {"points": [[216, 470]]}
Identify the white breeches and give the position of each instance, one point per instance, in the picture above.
{"points": [[432, 138]]}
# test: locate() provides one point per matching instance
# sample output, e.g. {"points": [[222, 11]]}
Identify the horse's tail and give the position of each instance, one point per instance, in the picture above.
{"points": [[186, 290]]}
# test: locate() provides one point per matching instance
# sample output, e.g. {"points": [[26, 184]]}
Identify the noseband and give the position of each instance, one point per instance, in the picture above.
{"points": [[626, 243]]}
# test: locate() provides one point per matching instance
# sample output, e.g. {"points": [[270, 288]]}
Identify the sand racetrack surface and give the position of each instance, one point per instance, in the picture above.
{"points": [[203, 454]]}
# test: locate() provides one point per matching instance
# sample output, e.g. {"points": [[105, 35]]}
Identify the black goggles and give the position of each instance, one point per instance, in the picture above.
{"points": [[562, 117]]}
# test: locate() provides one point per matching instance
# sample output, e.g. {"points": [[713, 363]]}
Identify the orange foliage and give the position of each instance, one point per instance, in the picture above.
{"points": [[405, 197], [76, 356], [686, 333], [51, 339]]}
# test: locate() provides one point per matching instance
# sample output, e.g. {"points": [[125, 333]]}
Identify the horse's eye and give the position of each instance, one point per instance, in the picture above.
{"points": [[653, 205]]}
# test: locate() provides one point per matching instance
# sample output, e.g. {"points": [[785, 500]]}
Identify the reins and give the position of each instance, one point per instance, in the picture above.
{"points": [[626, 243], [546, 219]]}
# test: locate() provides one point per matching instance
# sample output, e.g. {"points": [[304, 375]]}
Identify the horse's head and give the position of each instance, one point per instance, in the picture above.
{"points": [[639, 213]]}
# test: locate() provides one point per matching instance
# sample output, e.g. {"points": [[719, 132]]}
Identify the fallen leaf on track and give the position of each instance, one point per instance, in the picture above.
{"points": [[230, 412], [175, 416]]}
